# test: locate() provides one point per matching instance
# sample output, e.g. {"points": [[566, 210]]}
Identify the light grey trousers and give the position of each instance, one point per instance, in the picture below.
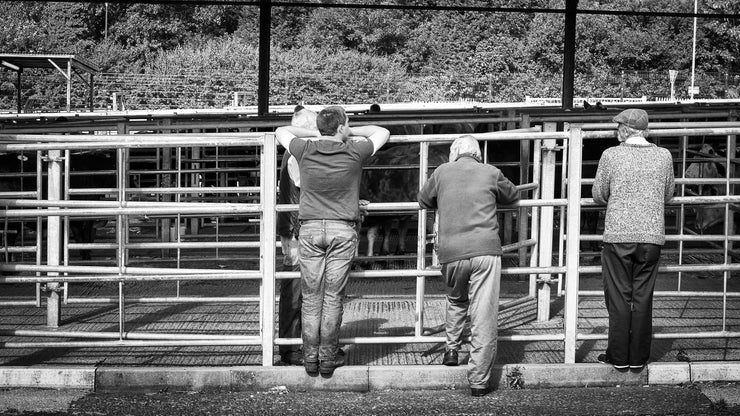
{"points": [[475, 286]]}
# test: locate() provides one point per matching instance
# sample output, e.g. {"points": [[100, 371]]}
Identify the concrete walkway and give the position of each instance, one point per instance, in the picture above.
{"points": [[377, 308]]}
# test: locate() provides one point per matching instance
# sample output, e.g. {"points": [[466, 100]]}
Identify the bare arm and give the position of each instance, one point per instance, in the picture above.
{"points": [[378, 135], [286, 134]]}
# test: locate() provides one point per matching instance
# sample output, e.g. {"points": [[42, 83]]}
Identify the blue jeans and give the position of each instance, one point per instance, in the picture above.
{"points": [[327, 248]]}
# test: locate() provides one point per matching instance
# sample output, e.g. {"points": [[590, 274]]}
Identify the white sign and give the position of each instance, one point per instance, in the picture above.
{"points": [[673, 74], [694, 90]]}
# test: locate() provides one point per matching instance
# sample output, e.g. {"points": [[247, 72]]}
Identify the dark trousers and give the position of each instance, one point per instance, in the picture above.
{"points": [[289, 311], [629, 271]]}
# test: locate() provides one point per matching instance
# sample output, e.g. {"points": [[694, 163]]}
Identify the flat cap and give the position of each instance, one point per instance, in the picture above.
{"points": [[633, 117]]}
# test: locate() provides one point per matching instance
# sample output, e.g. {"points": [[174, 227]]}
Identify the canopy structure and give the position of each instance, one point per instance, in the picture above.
{"points": [[65, 64]]}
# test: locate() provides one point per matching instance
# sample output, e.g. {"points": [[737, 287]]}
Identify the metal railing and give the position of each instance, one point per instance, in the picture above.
{"points": [[542, 204]]}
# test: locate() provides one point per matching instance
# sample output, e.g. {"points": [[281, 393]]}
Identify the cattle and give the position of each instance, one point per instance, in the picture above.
{"points": [[90, 169], [389, 176], [17, 172], [705, 217]]}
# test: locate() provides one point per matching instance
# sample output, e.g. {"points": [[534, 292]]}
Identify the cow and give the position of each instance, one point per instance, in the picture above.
{"points": [[389, 177], [705, 216], [88, 171], [14, 168]]}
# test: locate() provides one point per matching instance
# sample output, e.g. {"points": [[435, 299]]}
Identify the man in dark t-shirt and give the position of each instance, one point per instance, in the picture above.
{"points": [[330, 166]]}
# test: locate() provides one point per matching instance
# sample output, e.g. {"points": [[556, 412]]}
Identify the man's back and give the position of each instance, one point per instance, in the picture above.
{"points": [[330, 177], [634, 181], [466, 193]]}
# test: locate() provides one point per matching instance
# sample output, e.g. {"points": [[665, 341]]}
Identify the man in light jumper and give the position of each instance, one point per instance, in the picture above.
{"points": [[634, 180], [466, 192]]}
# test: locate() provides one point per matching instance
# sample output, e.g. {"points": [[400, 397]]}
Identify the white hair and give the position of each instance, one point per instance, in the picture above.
{"points": [[304, 118], [464, 144]]}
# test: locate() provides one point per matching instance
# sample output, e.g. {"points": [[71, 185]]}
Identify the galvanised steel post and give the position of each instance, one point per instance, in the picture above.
{"points": [[53, 237], [573, 242], [268, 236], [546, 222]]}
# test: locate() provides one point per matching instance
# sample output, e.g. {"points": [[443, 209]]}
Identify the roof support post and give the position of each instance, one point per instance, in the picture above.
{"points": [[569, 53], [92, 83], [263, 80], [69, 85], [18, 90]]}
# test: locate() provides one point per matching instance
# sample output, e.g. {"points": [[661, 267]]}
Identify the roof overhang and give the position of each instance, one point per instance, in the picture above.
{"points": [[17, 62]]}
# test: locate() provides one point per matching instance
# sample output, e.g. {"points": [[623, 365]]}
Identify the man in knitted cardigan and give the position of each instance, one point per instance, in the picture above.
{"points": [[634, 180]]}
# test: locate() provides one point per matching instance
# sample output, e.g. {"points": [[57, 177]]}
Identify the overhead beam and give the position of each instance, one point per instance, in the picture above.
{"points": [[436, 7], [263, 72], [569, 53]]}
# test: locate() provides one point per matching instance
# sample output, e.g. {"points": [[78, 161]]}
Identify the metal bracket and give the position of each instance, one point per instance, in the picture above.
{"points": [[553, 148], [57, 289], [48, 158]]}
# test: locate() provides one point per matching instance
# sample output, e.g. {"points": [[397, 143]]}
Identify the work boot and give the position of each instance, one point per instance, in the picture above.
{"points": [[327, 367], [450, 358]]}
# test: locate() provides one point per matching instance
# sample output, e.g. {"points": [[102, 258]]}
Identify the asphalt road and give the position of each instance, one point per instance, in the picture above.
{"points": [[647, 400]]}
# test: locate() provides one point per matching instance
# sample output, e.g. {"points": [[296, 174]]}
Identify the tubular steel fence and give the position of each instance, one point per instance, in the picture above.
{"points": [[176, 199]]}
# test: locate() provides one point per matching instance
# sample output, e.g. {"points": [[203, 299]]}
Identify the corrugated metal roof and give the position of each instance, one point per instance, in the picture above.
{"points": [[46, 61]]}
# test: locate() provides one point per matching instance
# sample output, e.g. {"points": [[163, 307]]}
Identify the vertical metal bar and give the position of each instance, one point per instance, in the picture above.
{"points": [[569, 52], [535, 223], [65, 239], [195, 180], [726, 245], [121, 237], [573, 244], [562, 210], [732, 173], [178, 182], [421, 242], [263, 81], [18, 90], [39, 221], [268, 235], [53, 237], [546, 223], [69, 85], [522, 215], [683, 140], [92, 93]]}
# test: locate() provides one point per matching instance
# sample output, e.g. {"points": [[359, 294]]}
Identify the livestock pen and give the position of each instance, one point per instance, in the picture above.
{"points": [[190, 262]]}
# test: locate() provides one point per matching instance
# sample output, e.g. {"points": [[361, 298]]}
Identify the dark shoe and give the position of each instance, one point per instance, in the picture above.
{"points": [[450, 358], [478, 392], [327, 367], [292, 358], [636, 367], [312, 367], [603, 358]]}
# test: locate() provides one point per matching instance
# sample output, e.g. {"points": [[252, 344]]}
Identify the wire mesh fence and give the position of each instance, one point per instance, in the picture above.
{"points": [[42, 92]]}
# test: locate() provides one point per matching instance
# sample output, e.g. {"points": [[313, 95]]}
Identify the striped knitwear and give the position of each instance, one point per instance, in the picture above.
{"points": [[634, 181]]}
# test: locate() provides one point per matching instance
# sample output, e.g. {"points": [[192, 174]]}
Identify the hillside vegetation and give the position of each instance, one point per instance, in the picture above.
{"points": [[197, 56]]}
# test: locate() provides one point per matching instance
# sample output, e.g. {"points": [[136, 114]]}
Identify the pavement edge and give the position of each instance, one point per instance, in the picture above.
{"points": [[358, 378]]}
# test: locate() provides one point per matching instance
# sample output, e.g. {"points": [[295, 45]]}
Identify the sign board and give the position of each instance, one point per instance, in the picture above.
{"points": [[673, 74], [694, 90]]}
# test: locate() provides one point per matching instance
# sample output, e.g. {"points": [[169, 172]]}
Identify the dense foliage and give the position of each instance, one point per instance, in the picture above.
{"points": [[175, 55]]}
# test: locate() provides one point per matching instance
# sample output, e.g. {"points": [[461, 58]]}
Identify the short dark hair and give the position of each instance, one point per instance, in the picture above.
{"points": [[329, 120]]}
